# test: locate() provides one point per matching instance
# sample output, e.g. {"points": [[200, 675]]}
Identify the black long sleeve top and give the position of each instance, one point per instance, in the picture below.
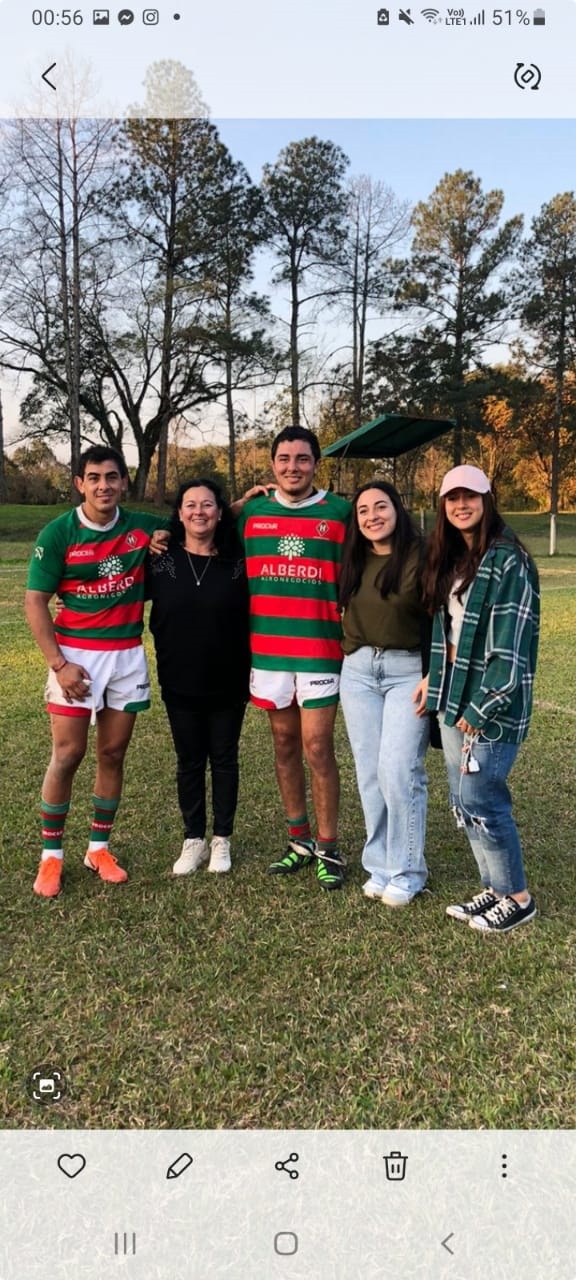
{"points": [[199, 621]]}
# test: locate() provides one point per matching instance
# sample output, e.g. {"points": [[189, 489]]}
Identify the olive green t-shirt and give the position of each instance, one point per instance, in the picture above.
{"points": [[394, 623]]}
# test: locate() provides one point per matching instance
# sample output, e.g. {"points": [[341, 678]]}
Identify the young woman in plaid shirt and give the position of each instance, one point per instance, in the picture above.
{"points": [[482, 588]]}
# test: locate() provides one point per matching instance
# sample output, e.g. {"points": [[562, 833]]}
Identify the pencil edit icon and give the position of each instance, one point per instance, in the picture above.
{"points": [[179, 1166]]}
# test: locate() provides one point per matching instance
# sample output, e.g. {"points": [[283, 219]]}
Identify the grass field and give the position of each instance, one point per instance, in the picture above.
{"points": [[245, 1001]]}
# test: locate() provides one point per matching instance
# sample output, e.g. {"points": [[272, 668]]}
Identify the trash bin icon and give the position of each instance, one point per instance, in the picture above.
{"points": [[395, 1166]]}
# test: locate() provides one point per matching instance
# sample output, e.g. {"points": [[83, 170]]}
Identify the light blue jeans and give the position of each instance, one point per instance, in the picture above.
{"points": [[388, 742], [482, 805]]}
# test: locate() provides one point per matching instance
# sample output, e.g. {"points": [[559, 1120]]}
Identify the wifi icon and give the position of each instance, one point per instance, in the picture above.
{"points": [[431, 15]]}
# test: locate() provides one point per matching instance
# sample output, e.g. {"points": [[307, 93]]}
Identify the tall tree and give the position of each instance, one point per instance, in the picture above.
{"points": [[160, 148], [377, 222], [172, 93], [57, 164], [127, 333], [240, 316], [306, 204], [454, 281], [55, 246], [191, 217], [547, 286]]}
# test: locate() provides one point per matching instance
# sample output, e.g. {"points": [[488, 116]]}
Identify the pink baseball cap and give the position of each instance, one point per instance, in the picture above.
{"points": [[465, 478]]}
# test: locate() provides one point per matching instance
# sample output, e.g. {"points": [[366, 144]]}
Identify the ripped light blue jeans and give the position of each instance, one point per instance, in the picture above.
{"points": [[388, 742], [482, 805]]}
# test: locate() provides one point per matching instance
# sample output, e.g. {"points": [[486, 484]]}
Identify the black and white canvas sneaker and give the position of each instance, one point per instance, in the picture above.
{"points": [[477, 905], [506, 915]]}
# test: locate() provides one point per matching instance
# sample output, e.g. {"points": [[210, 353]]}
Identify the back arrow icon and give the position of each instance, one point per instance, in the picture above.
{"points": [[445, 1244], [45, 75]]}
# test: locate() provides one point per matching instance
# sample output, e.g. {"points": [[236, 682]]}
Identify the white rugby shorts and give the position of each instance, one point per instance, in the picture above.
{"points": [[276, 690], [119, 680]]}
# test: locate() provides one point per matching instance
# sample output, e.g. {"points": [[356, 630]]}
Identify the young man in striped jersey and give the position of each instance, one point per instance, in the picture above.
{"points": [[293, 541], [93, 560]]}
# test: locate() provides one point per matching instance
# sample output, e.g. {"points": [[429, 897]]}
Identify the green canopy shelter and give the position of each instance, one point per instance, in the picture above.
{"points": [[388, 436]]}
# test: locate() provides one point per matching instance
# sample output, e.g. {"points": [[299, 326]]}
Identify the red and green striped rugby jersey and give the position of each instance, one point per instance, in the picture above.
{"points": [[98, 576], [293, 558]]}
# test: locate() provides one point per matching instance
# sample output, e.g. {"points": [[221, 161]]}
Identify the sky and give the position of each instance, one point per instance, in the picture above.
{"points": [[530, 160]]}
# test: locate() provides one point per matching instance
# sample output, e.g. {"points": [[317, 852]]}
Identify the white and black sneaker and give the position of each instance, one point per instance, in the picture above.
{"points": [[477, 905], [506, 915]]}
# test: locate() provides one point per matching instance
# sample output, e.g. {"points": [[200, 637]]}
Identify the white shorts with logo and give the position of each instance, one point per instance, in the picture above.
{"points": [[276, 690], [119, 680]]}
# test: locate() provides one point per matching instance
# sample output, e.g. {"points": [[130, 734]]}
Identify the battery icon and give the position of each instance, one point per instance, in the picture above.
{"points": [[539, 18]]}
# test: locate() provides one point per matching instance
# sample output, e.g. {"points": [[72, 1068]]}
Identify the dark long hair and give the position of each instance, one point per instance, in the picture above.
{"points": [[449, 554], [226, 539], [356, 547]]}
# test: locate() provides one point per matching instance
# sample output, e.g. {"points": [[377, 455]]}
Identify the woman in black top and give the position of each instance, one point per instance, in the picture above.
{"points": [[199, 621]]}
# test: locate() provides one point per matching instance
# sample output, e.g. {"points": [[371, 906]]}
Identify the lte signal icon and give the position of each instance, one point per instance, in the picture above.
{"points": [[383, 18]]}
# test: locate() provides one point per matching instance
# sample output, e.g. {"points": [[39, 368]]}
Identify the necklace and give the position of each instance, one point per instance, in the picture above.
{"points": [[199, 580]]}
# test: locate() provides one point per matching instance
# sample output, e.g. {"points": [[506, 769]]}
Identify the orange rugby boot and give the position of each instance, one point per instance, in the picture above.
{"points": [[48, 881], [106, 866]]}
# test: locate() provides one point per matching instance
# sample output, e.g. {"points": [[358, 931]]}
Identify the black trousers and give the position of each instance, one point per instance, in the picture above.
{"points": [[203, 731]]}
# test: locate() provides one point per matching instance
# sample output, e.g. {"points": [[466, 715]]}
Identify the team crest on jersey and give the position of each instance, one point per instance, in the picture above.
{"points": [[110, 566], [131, 540], [322, 529], [291, 546]]}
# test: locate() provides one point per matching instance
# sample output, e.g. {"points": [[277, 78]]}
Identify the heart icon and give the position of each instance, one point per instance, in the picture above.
{"points": [[71, 1165]]}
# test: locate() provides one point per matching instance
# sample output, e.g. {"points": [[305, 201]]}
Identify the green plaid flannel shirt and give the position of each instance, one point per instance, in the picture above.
{"points": [[493, 674]]}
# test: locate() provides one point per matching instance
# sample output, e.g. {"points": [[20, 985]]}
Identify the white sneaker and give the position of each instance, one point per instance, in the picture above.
{"points": [[194, 853], [371, 889], [220, 854], [394, 897]]}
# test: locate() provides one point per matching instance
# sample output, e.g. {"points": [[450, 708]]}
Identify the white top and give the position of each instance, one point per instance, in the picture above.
{"points": [[305, 502], [456, 609], [98, 528]]}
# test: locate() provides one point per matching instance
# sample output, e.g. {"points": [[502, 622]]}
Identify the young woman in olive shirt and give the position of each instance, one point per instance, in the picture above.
{"points": [[383, 623]]}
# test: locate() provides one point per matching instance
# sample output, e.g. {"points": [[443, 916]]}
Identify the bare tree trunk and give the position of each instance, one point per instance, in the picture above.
{"points": [[228, 374], [167, 335], [74, 393], [145, 455], [362, 322], [294, 361], [356, 406], [70, 296], [3, 487], [560, 373], [458, 374]]}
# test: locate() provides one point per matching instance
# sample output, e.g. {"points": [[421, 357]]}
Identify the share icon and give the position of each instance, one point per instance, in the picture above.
{"points": [[283, 1164]]}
